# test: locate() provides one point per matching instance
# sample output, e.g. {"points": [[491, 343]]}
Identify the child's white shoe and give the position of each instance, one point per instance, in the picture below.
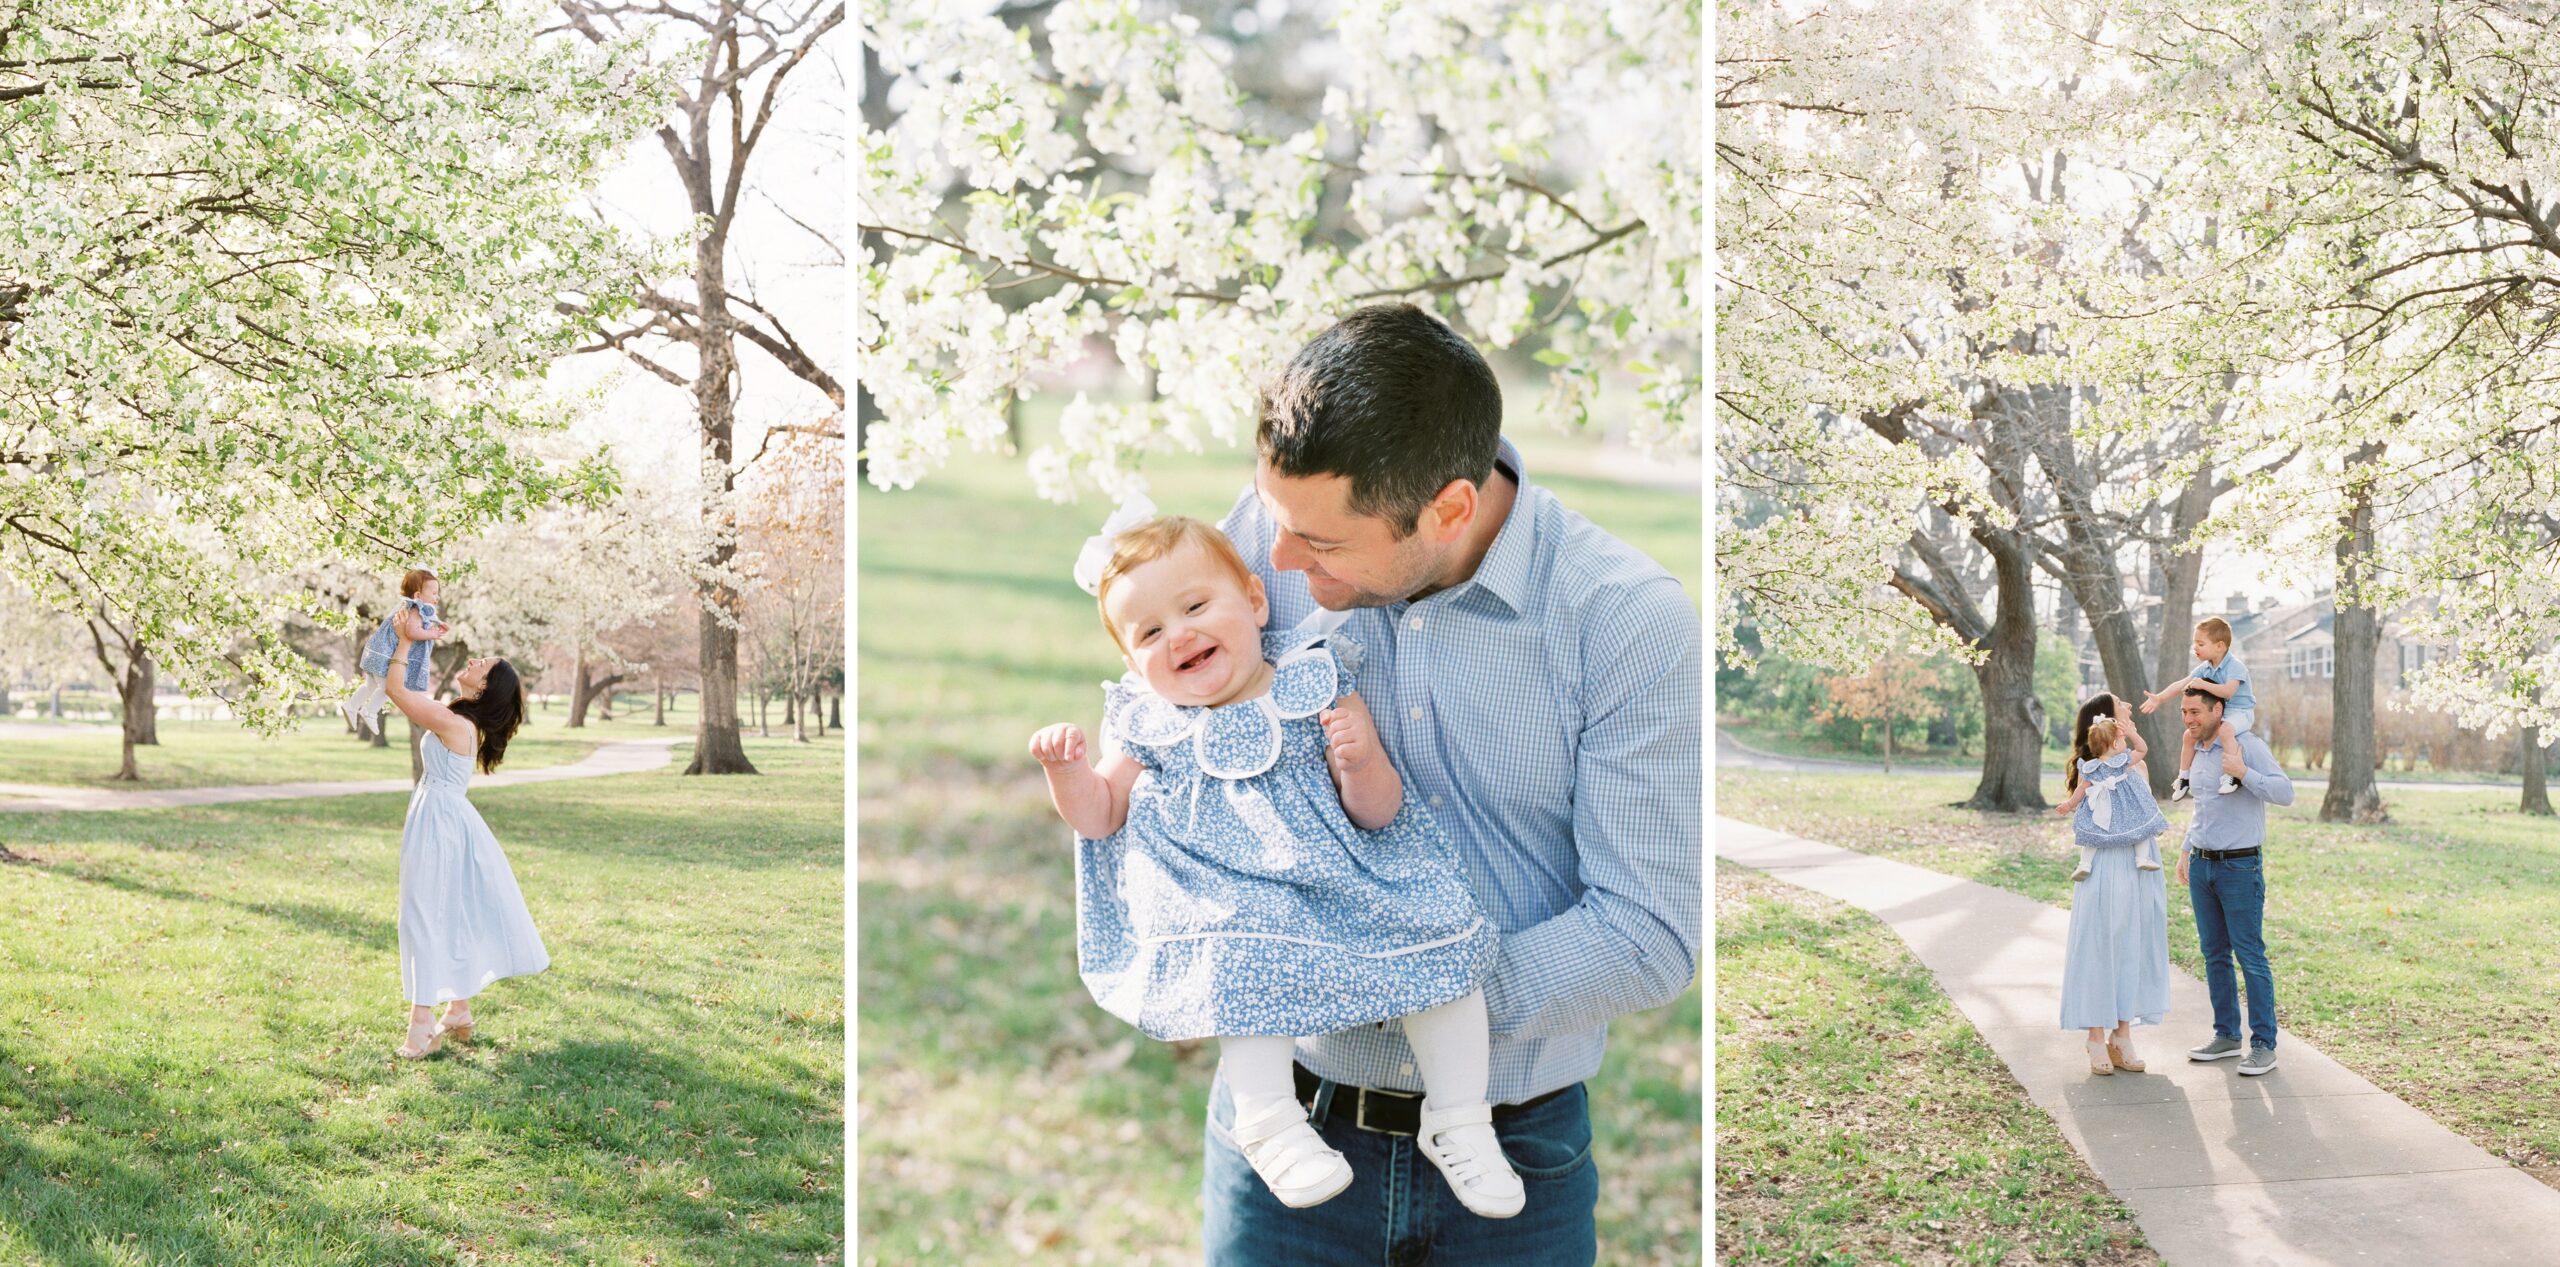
{"points": [[1460, 1141], [2178, 790], [1295, 1163], [2229, 785], [2080, 872], [2146, 864]]}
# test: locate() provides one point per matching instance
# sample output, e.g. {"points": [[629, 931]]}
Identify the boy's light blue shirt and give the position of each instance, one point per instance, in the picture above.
{"points": [[1547, 713], [2230, 670]]}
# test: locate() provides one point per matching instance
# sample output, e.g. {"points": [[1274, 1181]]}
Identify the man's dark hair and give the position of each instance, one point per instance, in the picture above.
{"points": [[2198, 692], [1391, 399]]}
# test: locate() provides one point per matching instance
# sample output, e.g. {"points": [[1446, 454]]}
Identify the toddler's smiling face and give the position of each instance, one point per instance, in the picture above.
{"points": [[1189, 627]]}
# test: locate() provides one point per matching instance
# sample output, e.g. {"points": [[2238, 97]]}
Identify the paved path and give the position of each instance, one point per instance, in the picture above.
{"points": [[626, 757], [1735, 754], [2310, 1164]]}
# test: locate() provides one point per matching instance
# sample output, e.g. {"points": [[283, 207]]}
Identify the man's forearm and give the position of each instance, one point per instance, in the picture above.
{"points": [[1597, 960]]}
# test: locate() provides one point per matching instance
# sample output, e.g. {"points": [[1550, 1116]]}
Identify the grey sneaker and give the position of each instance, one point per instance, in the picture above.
{"points": [[2261, 1060], [2218, 1049]]}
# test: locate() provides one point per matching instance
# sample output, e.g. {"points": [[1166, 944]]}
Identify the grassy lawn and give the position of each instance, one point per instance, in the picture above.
{"points": [[2419, 953], [198, 1010], [1859, 1116], [1785, 742], [1004, 1116], [220, 753]]}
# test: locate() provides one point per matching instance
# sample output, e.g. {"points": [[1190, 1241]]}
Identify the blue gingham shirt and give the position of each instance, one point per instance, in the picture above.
{"points": [[1547, 712], [2235, 820]]}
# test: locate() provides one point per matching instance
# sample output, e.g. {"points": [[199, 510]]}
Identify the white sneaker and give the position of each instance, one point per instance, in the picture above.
{"points": [[1295, 1163], [2178, 790], [1460, 1141], [2079, 873], [2229, 785], [2146, 864]]}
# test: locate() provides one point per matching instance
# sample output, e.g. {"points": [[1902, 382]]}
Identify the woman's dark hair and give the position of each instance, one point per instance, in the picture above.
{"points": [[2102, 704], [496, 711], [1390, 399]]}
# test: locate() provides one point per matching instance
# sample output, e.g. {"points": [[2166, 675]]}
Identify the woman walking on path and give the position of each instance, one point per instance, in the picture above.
{"points": [[462, 921], [2115, 971]]}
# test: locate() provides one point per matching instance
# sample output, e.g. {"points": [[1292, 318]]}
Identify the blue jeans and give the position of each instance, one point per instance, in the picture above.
{"points": [[2230, 900], [1399, 1211]]}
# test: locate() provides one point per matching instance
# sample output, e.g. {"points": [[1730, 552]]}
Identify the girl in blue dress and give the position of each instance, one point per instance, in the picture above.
{"points": [[1250, 868], [2115, 968]]}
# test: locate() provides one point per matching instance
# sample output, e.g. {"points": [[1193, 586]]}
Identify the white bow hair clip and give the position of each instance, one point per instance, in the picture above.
{"points": [[1096, 554]]}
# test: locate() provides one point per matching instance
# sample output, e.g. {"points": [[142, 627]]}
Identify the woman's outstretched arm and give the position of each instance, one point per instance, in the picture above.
{"points": [[422, 709]]}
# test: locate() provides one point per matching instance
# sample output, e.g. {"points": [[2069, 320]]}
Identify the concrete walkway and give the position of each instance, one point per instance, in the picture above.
{"points": [[627, 757], [1732, 753], [2310, 1164]]}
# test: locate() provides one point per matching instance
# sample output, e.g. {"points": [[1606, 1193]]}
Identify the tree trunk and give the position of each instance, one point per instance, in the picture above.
{"points": [[658, 694], [791, 708], [2537, 790], [57, 702], [2181, 573], [835, 712], [2352, 796], [1888, 742], [417, 757], [717, 748], [2013, 722], [2089, 567]]}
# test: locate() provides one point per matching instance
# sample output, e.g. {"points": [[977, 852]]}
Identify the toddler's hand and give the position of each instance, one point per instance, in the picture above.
{"points": [[1062, 744], [1349, 733], [2150, 704]]}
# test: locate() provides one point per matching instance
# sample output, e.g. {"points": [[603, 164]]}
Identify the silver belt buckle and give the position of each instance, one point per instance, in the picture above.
{"points": [[1360, 1116]]}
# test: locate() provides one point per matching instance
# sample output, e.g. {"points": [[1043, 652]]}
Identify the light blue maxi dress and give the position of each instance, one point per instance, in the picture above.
{"points": [[1239, 899], [462, 921], [2116, 966]]}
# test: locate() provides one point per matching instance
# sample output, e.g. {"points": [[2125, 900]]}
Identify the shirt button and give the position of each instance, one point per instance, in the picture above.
{"points": [[1406, 1069], [1415, 623], [1435, 802], [1416, 714]]}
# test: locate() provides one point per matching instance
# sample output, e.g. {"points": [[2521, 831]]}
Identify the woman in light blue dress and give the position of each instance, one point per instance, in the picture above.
{"points": [[2115, 971], [463, 923]]}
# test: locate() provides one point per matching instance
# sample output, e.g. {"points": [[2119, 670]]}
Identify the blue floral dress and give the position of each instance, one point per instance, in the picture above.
{"points": [[1238, 898]]}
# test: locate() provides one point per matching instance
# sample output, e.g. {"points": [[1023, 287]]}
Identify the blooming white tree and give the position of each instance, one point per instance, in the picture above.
{"points": [[568, 583], [1531, 169], [278, 281]]}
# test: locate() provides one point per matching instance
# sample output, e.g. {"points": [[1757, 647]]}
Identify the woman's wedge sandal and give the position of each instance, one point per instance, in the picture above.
{"points": [[425, 1037], [1461, 1142], [1295, 1163]]}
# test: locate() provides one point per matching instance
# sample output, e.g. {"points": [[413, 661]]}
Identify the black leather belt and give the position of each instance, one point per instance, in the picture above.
{"points": [[1385, 1112], [2218, 855]]}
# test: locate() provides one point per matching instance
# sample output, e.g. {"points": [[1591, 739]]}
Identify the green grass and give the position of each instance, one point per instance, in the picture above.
{"points": [[1782, 741], [1860, 1117], [1003, 1116], [2419, 953], [199, 1007], [220, 753]]}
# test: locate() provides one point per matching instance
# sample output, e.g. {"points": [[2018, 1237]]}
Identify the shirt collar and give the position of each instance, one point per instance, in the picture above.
{"points": [[1504, 570]]}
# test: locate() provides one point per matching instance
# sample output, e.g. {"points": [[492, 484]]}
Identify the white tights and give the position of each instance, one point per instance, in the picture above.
{"points": [[1451, 1044]]}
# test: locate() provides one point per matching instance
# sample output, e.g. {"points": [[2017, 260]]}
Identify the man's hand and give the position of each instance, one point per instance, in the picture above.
{"points": [[2182, 866], [1059, 745]]}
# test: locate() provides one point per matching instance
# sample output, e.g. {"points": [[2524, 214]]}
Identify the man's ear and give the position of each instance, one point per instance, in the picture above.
{"points": [[1450, 511]]}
